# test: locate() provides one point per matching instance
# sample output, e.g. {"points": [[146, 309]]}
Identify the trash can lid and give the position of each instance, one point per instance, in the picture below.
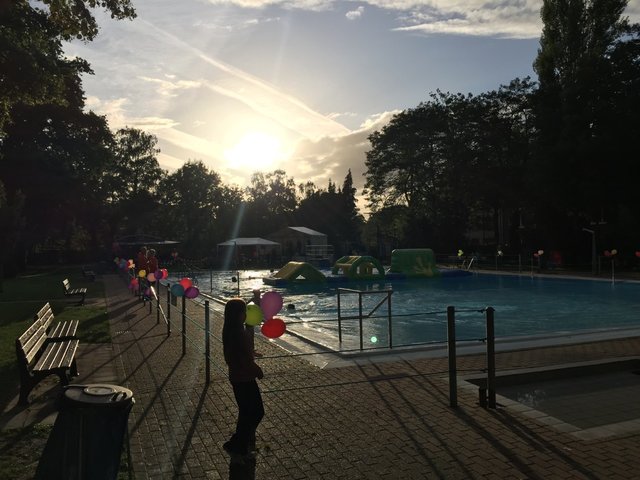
{"points": [[98, 394]]}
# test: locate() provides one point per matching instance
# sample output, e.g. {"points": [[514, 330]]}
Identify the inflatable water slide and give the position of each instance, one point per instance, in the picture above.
{"points": [[405, 263]]}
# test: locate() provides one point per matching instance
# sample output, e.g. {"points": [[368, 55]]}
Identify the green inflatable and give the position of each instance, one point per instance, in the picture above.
{"points": [[414, 262]]}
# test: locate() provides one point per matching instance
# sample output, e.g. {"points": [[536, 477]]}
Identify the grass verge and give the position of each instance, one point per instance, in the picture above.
{"points": [[20, 299]]}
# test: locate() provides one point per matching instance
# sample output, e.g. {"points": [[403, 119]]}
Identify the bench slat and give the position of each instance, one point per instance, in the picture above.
{"points": [[31, 346], [46, 318], [61, 330], [57, 355], [65, 329]]}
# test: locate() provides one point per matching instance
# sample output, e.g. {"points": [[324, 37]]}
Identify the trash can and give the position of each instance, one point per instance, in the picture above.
{"points": [[87, 437]]}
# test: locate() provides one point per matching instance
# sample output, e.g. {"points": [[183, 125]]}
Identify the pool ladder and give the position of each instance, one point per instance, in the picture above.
{"points": [[468, 267]]}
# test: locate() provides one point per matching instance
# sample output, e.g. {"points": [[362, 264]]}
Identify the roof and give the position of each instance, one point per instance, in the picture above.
{"points": [[141, 239], [241, 242], [308, 231]]}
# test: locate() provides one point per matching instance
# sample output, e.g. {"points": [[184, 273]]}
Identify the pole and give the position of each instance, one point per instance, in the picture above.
{"points": [[339, 320], [390, 319], [207, 343], [360, 319], [184, 326], [491, 359], [613, 272], [168, 309], [451, 349]]}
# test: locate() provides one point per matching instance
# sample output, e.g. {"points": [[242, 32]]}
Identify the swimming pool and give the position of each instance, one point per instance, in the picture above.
{"points": [[524, 306]]}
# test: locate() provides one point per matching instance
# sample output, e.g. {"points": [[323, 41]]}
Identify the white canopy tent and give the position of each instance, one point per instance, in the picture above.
{"points": [[247, 250]]}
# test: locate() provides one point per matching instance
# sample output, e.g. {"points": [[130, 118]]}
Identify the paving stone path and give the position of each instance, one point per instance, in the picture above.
{"points": [[372, 419]]}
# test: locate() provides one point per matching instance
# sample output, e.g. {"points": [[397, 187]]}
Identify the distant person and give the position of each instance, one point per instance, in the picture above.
{"points": [[243, 372], [152, 261], [141, 264], [141, 260]]}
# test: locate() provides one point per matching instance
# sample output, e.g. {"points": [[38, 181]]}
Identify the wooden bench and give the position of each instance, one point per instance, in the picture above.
{"points": [[39, 356], [88, 273], [73, 292], [60, 330]]}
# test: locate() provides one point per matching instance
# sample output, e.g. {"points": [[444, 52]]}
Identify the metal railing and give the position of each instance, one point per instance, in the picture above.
{"points": [[360, 316], [487, 392]]}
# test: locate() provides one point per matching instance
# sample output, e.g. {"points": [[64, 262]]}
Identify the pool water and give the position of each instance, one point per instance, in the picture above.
{"points": [[524, 306]]}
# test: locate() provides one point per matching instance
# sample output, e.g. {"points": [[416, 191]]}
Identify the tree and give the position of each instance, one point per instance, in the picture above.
{"points": [[11, 224], [452, 160], [587, 62], [136, 168], [193, 206], [271, 201], [33, 68], [56, 156], [73, 18]]}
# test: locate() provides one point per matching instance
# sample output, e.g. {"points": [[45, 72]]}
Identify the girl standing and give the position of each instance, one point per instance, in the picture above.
{"points": [[243, 372]]}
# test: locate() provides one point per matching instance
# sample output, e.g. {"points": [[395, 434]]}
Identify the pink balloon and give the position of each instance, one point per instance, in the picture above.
{"points": [[151, 277], [273, 328], [191, 292], [271, 303]]}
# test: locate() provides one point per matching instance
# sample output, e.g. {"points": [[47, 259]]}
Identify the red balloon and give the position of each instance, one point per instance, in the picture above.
{"points": [[185, 282], [273, 328], [638, 254]]}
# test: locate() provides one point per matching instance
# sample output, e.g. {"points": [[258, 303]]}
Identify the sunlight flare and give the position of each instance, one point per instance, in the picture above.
{"points": [[255, 150]]}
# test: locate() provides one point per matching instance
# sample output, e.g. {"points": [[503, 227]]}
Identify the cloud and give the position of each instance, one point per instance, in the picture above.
{"points": [[118, 116], [254, 92], [355, 14], [331, 157], [316, 5], [517, 19], [170, 89], [235, 26], [334, 115], [514, 19], [486, 18]]}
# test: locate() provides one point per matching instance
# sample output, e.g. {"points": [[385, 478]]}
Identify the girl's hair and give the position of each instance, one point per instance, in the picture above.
{"points": [[233, 326]]}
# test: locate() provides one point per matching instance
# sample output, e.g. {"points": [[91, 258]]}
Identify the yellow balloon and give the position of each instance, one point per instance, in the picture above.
{"points": [[254, 315], [142, 273]]}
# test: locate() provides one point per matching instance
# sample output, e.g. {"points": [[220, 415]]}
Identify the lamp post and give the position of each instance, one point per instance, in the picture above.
{"points": [[594, 256]]}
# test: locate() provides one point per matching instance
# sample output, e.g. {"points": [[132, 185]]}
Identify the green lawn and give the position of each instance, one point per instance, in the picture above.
{"points": [[22, 297]]}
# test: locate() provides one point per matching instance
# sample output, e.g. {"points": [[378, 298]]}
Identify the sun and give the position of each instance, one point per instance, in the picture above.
{"points": [[255, 150]]}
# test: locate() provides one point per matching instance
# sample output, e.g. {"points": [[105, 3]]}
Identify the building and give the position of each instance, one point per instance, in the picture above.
{"points": [[304, 244]]}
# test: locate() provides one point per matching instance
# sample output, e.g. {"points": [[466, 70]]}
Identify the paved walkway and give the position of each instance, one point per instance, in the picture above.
{"points": [[370, 419]]}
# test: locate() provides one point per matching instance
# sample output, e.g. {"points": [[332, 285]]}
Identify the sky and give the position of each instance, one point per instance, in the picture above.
{"points": [[259, 85]]}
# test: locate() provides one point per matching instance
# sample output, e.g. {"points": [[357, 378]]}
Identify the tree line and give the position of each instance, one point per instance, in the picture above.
{"points": [[530, 164], [535, 163]]}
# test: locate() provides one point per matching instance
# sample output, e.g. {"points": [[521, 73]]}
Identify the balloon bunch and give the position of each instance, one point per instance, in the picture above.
{"points": [[184, 288], [123, 264], [270, 304], [158, 275], [611, 253], [539, 253]]}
